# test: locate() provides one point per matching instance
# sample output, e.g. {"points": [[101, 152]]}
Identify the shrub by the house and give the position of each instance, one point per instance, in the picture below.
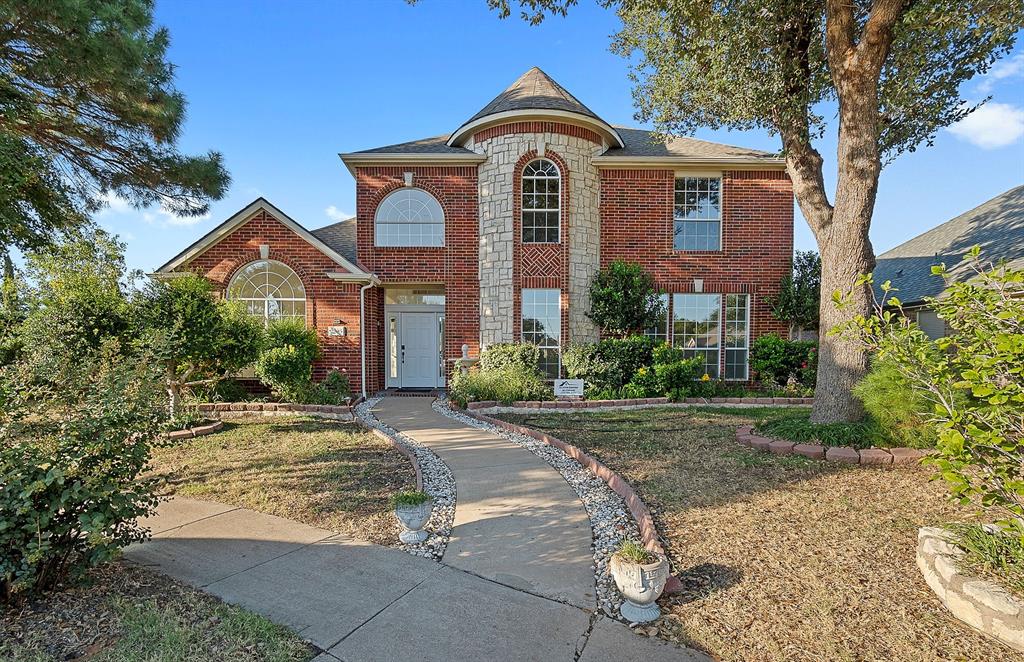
{"points": [[504, 385], [500, 356], [778, 362], [286, 363], [624, 299]]}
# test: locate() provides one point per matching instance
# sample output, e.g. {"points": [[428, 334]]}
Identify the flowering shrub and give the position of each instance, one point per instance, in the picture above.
{"points": [[972, 379]]}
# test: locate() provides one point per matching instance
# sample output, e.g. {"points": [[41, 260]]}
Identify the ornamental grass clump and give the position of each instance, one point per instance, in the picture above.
{"points": [[634, 552], [409, 499]]}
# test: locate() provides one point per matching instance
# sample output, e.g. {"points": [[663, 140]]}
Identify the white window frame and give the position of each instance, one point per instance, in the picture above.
{"points": [[522, 200], [679, 306], [240, 274], [651, 332], [683, 176], [746, 337], [558, 319], [390, 217]]}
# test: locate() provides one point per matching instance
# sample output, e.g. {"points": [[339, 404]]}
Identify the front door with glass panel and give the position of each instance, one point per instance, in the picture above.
{"points": [[418, 354]]}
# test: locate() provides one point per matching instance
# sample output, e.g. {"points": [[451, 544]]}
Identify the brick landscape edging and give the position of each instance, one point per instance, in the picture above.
{"points": [[847, 454], [198, 431], [239, 409], [637, 508], [635, 402], [985, 606]]}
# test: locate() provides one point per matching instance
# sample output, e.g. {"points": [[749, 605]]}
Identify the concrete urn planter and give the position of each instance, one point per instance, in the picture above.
{"points": [[413, 519], [641, 585]]}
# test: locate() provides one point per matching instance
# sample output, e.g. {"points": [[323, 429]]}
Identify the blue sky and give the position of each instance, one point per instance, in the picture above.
{"points": [[280, 88]]}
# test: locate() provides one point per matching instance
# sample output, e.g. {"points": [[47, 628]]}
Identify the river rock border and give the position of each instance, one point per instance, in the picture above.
{"points": [[985, 606], [241, 409], [197, 431], [847, 454], [433, 476], [493, 405], [614, 509]]}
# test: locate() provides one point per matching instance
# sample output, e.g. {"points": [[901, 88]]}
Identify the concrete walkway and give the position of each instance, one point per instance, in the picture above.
{"points": [[517, 521], [358, 601]]}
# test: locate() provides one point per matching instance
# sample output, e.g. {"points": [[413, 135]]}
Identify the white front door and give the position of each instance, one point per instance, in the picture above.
{"points": [[419, 350]]}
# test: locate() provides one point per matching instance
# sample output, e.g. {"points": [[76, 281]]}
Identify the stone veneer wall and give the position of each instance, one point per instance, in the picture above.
{"points": [[505, 145]]}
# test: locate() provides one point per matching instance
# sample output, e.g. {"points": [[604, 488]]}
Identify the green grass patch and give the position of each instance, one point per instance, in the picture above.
{"points": [[796, 426], [991, 554]]}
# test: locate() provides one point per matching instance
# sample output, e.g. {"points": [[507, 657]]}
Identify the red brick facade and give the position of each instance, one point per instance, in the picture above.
{"points": [[327, 300], [455, 265], [757, 235]]}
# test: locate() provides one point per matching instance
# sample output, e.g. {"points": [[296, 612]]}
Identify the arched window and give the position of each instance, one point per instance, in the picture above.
{"points": [[409, 217], [270, 290], [542, 200]]}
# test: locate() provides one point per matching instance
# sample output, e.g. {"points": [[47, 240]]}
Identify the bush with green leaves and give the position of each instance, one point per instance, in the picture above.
{"points": [[286, 363], [897, 415], [624, 299], [521, 355], [973, 378], [197, 339], [609, 365], [72, 460], [776, 360], [505, 385]]}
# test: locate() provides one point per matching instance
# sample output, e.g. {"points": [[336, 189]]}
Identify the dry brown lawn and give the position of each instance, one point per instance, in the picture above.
{"points": [[783, 558], [336, 476]]}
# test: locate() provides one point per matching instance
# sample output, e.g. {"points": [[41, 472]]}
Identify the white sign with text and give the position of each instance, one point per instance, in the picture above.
{"points": [[569, 388]]}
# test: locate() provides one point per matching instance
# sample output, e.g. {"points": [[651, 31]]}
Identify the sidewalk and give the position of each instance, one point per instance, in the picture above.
{"points": [[517, 521], [358, 601]]}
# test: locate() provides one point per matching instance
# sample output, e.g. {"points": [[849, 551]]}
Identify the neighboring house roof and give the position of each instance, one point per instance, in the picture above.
{"points": [[341, 237], [535, 95], [243, 215], [997, 226]]}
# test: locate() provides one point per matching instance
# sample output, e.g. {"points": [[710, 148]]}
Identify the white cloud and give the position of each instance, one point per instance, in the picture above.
{"points": [[1012, 67], [336, 214], [992, 126], [114, 204]]}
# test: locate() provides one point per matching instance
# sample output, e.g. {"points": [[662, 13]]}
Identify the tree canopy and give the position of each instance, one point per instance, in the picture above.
{"points": [[88, 110]]}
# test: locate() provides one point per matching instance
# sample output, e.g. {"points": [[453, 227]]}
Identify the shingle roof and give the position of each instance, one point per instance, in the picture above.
{"points": [[997, 226], [340, 237], [643, 143], [433, 145], [534, 90]]}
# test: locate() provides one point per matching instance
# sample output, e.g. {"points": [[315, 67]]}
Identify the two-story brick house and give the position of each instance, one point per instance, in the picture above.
{"points": [[493, 233]]}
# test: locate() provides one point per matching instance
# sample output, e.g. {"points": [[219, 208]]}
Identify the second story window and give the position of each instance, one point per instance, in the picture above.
{"points": [[698, 214], [542, 200], [409, 217]]}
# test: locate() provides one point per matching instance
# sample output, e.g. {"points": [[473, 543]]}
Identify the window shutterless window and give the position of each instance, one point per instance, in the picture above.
{"points": [[737, 336], [409, 217], [270, 290], [660, 330], [697, 329], [542, 326], [698, 214], [541, 201]]}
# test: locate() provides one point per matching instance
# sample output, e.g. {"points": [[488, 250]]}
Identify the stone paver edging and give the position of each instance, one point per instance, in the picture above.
{"points": [[197, 431], [433, 476], [648, 533], [240, 409], [983, 605], [846, 454], [635, 402]]}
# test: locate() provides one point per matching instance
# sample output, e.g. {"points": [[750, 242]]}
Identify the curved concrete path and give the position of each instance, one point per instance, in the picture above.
{"points": [[360, 602], [517, 521]]}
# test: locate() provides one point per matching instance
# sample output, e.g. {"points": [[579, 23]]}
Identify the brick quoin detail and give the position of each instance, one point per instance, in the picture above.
{"points": [[455, 265], [537, 127], [757, 236], [326, 300], [540, 265]]}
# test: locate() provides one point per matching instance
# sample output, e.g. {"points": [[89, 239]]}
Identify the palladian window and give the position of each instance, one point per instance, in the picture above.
{"points": [[269, 290], [409, 217]]}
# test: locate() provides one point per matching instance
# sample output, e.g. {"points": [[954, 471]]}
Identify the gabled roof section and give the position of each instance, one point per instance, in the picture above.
{"points": [[997, 226], [215, 235], [434, 145], [341, 237], [534, 94], [644, 144]]}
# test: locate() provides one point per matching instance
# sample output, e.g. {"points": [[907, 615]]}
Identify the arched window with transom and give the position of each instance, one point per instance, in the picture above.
{"points": [[542, 202], [270, 290], [409, 217]]}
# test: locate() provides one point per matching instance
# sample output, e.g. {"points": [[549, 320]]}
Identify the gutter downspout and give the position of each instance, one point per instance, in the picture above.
{"points": [[362, 335]]}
